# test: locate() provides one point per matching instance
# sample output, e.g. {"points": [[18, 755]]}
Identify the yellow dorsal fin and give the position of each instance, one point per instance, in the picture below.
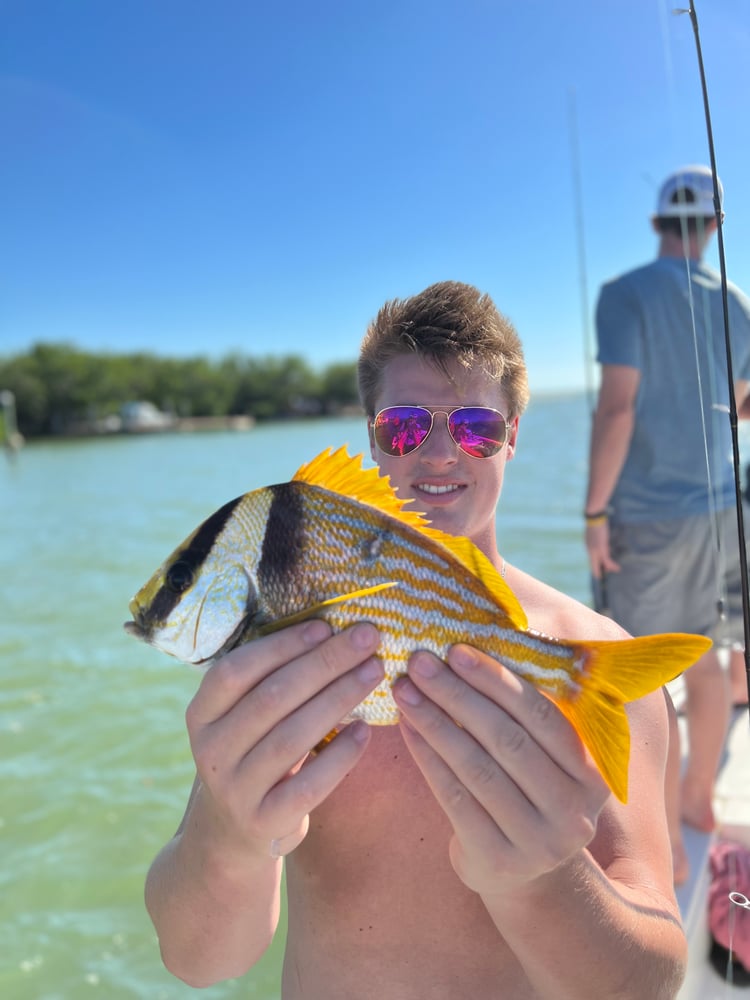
{"points": [[339, 472], [466, 552]]}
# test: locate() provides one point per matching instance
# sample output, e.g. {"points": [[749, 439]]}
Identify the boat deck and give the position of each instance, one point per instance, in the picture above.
{"points": [[732, 808]]}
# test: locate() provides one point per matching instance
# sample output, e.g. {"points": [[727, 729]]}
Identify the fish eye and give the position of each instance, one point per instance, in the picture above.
{"points": [[179, 576]]}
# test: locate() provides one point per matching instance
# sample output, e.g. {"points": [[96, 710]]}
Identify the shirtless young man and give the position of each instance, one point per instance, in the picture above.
{"points": [[471, 851]]}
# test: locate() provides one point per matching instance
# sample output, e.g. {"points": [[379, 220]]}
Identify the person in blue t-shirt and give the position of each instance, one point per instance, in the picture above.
{"points": [[661, 528]]}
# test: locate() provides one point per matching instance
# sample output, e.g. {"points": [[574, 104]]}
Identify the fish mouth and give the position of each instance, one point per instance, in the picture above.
{"points": [[137, 627], [136, 630]]}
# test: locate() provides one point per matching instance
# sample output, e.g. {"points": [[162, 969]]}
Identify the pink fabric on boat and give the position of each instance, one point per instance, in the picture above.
{"points": [[729, 899]]}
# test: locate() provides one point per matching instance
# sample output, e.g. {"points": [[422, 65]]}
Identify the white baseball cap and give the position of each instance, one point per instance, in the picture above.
{"points": [[688, 192]]}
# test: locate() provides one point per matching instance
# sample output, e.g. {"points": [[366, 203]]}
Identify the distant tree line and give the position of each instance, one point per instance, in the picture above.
{"points": [[59, 389]]}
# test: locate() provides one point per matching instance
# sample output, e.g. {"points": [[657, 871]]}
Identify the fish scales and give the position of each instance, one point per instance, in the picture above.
{"points": [[405, 560], [429, 609], [424, 577], [337, 543]]}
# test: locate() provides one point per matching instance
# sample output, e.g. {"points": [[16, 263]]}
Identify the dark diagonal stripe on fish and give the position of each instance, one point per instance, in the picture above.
{"points": [[283, 541], [190, 558]]}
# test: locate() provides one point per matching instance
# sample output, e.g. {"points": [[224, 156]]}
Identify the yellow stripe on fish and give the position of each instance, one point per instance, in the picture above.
{"points": [[336, 542]]}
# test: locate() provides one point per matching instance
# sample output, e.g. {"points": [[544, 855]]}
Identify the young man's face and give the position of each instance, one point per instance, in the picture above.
{"points": [[457, 492]]}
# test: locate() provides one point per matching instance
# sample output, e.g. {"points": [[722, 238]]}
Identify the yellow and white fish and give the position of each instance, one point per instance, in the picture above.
{"points": [[336, 543]]}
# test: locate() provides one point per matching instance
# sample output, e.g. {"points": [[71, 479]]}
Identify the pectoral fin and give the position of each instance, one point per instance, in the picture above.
{"points": [[301, 616]]}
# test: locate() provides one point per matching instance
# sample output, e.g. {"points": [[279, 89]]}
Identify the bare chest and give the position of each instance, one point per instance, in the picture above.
{"points": [[375, 907]]}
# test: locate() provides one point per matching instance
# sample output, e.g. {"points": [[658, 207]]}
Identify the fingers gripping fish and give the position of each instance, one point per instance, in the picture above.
{"points": [[336, 543]]}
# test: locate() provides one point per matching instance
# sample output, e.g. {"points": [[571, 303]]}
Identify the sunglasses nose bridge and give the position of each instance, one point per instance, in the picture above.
{"points": [[435, 438]]}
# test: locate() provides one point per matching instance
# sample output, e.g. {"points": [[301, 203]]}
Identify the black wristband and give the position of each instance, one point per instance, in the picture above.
{"points": [[599, 516]]}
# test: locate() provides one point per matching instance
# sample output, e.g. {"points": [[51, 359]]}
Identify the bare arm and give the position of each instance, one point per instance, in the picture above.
{"points": [[215, 916], [213, 892], [742, 399], [611, 431]]}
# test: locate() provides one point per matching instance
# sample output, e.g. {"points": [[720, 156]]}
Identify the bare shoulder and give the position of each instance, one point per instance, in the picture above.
{"points": [[550, 611]]}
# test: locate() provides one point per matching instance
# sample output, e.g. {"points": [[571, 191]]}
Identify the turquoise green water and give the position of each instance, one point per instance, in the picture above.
{"points": [[94, 762]]}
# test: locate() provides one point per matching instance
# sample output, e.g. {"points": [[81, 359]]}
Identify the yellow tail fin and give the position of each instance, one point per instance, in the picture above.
{"points": [[616, 673]]}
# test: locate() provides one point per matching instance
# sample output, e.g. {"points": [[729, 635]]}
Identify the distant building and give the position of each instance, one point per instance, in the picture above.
{"points": [[141, 416]]}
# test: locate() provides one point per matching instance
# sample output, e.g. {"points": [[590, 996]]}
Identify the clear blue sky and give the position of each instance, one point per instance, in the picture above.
{"points": [[196, 178]]}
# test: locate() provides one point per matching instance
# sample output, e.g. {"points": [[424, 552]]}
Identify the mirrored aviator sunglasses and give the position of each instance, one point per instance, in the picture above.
{"points": [[479, 431]]}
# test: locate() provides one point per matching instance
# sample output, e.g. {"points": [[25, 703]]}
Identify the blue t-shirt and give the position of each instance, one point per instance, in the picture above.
{"points": [[644, 320]]}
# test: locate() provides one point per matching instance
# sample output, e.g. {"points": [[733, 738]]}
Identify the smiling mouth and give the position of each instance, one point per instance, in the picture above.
{"points": [[438, 490]]}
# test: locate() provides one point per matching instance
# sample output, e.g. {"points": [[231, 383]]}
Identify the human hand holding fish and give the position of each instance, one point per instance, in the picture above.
{"points": [[253, 720], [508, 769]]}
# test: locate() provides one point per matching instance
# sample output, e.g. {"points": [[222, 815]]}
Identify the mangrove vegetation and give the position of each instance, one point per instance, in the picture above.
{"points": [[61, 390]]}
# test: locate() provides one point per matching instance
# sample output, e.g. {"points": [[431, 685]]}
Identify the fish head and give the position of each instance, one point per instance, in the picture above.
{"points": [[198, 602], [192, 616]]}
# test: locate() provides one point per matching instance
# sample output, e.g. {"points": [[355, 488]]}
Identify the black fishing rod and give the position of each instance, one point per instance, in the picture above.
{"points": [[733, 421]]}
